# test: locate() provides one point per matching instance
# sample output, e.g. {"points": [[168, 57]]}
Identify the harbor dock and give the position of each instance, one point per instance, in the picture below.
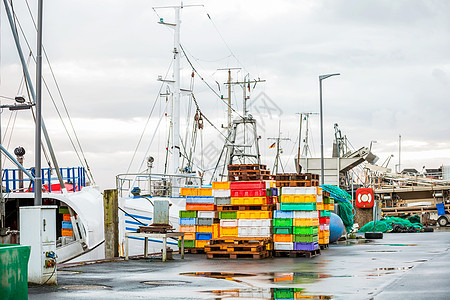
{"points": [[401, 265]]}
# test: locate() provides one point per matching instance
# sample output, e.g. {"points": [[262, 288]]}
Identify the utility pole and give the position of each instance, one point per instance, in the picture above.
{"points": [[279, 150]]}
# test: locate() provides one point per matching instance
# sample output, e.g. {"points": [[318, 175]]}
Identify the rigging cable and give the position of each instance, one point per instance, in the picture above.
{"points": [[90, 175]]}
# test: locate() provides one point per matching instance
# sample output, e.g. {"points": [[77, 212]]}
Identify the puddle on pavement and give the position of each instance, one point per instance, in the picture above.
{"points": [[389, 270], [165, 282], [219, 275], [85, 287], [382, 251], [397, 245], [64, 272], [266, 293]]}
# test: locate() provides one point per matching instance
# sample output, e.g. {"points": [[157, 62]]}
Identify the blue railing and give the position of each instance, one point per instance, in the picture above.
{"points": [[75, 177]]}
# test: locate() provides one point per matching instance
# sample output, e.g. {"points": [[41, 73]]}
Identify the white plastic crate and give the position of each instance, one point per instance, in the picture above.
{"points": [[259, 293], [229, 223], [221, 193], [324, 226], [207, 214], [319, 199], [306, 214], [255, 222], [299, 190], [249, 231], [283, 246]]}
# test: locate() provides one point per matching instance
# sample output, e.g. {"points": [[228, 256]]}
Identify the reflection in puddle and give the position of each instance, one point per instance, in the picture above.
{"points": [[389, 270], [165, 282], [218, 275], [266, 293], [85, 287]]}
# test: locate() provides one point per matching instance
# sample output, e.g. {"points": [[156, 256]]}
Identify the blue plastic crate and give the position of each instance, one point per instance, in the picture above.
{"points": [[188, 221], [66, 225], [201, 236], [282, 214], [440, 209], [200, 199]]}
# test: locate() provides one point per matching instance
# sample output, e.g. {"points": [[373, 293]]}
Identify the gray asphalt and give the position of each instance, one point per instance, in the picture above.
{"points": [[413, 265]]}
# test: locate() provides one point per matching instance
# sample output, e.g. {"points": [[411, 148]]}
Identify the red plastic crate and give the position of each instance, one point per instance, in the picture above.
{"points": [[248, 193], [200, 206], [247, 185], [324, 220]]}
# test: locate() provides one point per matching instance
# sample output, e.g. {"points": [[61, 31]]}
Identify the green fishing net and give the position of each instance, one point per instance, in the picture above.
{"points": [[392, 224], [345, 206]]}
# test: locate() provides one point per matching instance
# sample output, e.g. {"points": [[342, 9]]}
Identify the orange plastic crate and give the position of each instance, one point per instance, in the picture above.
{"points": [[319, 206], [66, 217], [189, 236], [221, 185], [204, 228], [204, 192], [187, 228], [201, 243], [324, 234], [229, 231], [324, 241], [188, 192], [200, 206], [283, 238], [66, 232]]}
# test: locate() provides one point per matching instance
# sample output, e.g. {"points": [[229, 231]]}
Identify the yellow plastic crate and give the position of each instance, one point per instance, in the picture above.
{"points": [[228, 231], [204, 192], [205, 228], [187, 228], [248, 200], [254, 214], [288, 238], [216, 230], [324, 234], [325, 240], [189, 192], [221, 185], [201, 243], [298, 199], [306, 222], [300, 295], [328, 207]]}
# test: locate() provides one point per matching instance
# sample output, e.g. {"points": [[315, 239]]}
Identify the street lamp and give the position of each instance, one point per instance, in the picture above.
{"points": [[322, 77]]}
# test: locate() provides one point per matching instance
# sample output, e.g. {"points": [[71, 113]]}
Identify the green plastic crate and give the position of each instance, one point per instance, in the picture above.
{"points": [[328, 200], [283, 293], [302, 238], [187, 243], [325, 213], [63, 210], [282, 230], [314, 230], [282, 222], [188, 214], [228, 215], [298, 206]]}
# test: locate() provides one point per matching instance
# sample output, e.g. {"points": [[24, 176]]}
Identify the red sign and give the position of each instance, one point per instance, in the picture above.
{"points": [[364, 198]]}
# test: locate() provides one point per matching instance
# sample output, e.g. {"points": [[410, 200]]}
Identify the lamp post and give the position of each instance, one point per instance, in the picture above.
{"points": [[322, 77]]}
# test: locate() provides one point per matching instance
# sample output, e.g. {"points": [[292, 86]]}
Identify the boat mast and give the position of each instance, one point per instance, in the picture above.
{"points": [[175, 124], [37, 142]]}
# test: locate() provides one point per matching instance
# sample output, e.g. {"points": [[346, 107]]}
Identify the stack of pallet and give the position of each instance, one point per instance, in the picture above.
{"points": [[248, 172], [198, 220], [296, 222], [324, 220]]}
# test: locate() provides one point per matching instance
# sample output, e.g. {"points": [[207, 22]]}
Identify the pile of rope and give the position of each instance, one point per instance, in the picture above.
{"points": [[345, 206]]}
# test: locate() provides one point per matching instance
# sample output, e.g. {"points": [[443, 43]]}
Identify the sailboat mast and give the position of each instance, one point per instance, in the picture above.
{"points": [[37, 142], [176, 96]]}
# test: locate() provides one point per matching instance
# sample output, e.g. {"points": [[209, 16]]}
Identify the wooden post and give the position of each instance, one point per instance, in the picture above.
{"points": [[111, 219]]}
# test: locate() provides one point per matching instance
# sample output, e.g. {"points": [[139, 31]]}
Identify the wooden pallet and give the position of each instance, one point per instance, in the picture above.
{"points": [[246, 167], [296, 177], [266, 207], [238, 255], [324, 246], [325, 193], [303, 183], [248, 177], [241, 240], [195, 250], [235, 248], [293, 253]]}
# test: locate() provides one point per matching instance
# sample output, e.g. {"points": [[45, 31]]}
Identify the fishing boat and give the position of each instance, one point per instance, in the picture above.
{"points": [[79, 229]]}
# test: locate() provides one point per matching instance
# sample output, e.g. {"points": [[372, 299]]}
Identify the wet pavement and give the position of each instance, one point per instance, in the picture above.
{"points": [[415, 265]]}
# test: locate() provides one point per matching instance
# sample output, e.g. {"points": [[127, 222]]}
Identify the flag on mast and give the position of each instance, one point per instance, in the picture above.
{"points": [[272, 146]]}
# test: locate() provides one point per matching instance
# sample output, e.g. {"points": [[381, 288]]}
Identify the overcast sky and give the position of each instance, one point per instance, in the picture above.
{"points": [[393, 57]]}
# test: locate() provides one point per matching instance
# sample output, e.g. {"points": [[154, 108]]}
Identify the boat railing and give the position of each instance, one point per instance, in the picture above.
{"points": [[154, 185], [15, 181]]}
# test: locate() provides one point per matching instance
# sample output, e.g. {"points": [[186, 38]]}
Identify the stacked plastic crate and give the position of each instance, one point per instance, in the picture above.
{"points": [[197, 221], [324, 219], [296, 222], [66, 224]]}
